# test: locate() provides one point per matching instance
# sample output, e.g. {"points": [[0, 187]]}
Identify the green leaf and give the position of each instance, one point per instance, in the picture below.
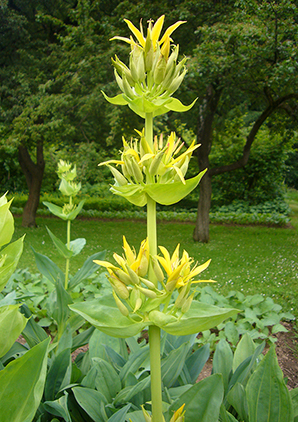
{"points": [[59, 408], [202, 401], [172, 365], [170, 193], [196, 361], [231, 333], [12, 254], [104, 315], [107, 381], [225, 416], [200, 317], [60, 246], [89, 400], [294, 398], [47, 267], [22, 383], [237, 398], [267, 395], [77, 245], [133, 193], [98, 342], [12, 323], [223, 361], [176, 105], [117, 100], [61, 309], [88, 268], [127, 393], [244, 349], [56, 375], [120, 416], [33, 333], [6, 222]]}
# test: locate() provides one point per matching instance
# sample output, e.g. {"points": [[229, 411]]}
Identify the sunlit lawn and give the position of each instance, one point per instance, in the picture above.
{"points": [[251, 259]]}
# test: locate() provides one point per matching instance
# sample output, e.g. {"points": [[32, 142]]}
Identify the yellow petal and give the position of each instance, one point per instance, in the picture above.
{"points": [[175, 256], [136, 32], [203, 281], [180, 174], [129, 41], [170, 30], [156, 30], [129, 253], [119, 260], [198, 270], [104, 264], [111, 162]]}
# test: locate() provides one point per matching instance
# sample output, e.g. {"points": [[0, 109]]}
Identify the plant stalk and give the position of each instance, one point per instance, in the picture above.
{"points": [[68, 247], [155, 373]]}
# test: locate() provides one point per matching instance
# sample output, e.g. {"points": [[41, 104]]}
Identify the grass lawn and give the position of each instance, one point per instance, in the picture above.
{"points": [[250, 259]]}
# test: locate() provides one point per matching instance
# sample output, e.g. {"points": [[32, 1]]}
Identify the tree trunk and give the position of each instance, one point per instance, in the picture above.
{"points": [[34, 175], [204, 137], [201, 230]]}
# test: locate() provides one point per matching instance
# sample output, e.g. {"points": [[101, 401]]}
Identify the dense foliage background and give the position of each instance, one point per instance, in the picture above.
{"points": [[242, 63]]}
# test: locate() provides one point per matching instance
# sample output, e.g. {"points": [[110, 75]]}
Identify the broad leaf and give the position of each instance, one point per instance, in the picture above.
{"points": [[61, 248], [172, 365], [77, 245], [89, 399], [22, 383], [12, 254], [202, 401], [176, 105], [200, 317], [104, 315], [170, 193], [56, 374], [12, 323], [6, 221], [59, 408], [223, 361], [267, 395], [244, 349], [47, 267]]}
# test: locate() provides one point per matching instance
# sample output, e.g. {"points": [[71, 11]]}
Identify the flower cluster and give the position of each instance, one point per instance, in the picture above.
{"points": [[145, 170], [153, 74], [136, 294], [67, 187]]}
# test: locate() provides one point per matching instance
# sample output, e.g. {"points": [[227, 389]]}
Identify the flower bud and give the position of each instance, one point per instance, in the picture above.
{"points": [[176, 83], [124, 277], [181, 297], [133, 276], [186, 305], [160, 69], [119, 287], [148, 283], [154, 166], [122, 308], [144, 263], [138, 304], [148, 293], [146, 415], [127, 88], [137, 173], [157, 270], [137, 65], [149, 53], [119, 178], [118, 80]]}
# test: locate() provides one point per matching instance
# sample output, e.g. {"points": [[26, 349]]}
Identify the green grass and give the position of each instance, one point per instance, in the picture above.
{"points": [[250, 259]]}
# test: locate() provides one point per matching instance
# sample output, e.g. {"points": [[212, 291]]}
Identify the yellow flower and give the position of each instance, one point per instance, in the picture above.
{"points": [[180, 271], [153, 33], [178, 415]]}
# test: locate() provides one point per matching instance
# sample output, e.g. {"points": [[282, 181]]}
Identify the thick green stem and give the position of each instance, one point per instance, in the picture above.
{"points": [[67, 259], [149, 129], [155, 373]]}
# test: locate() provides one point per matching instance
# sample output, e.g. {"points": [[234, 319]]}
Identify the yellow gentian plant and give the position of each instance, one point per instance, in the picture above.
{"points": [[150, 289]]}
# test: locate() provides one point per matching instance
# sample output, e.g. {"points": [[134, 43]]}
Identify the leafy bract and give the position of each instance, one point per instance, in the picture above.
{"points": [[104, 315]]}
